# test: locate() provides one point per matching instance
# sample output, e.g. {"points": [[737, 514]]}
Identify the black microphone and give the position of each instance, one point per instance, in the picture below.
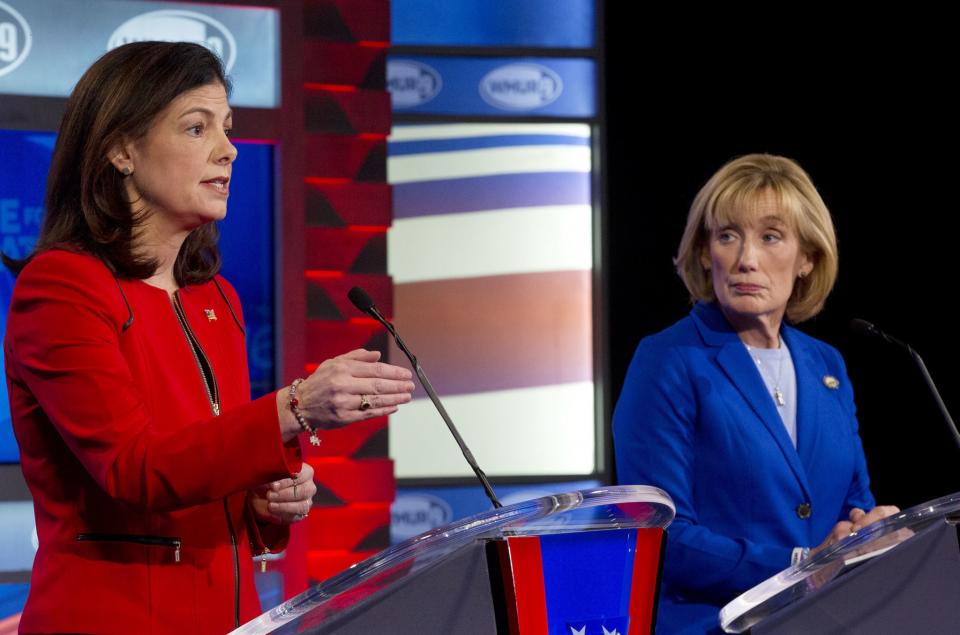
{"points": [[866, 328], [364, 302]]}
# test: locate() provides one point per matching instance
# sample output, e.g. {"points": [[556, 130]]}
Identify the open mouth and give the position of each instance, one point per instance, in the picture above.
{"points": [[219, 183]]}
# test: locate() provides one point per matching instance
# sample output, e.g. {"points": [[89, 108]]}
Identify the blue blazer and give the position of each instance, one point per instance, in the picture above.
{"points": [[696, 419]]}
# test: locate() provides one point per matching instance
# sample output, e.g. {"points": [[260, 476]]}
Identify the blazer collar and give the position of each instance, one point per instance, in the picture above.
{"points": [[735, 361]]}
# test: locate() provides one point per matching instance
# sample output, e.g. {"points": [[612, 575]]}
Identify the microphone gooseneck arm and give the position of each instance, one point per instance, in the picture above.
{"points": [[868, 328], [362, 301]]}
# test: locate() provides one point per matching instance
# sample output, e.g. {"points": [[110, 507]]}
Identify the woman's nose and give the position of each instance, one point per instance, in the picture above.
{"points": [[748, 256]]}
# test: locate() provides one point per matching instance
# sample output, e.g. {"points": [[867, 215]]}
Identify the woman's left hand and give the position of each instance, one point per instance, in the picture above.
{"points": [[287, 500], [860, 519]]}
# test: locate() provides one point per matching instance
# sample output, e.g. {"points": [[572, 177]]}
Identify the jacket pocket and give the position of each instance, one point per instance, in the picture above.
{"points": [[152, 541]]}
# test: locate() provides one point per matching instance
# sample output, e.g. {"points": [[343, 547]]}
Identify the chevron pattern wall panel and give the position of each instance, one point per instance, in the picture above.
{"points": [[347, 208]]}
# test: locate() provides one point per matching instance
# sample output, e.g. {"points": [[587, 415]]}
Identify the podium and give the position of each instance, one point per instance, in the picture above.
{"points": [[898, 575], [584, 563]]}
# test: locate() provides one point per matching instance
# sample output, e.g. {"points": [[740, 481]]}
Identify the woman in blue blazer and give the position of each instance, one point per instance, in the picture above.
{"points": [[749, 424]]}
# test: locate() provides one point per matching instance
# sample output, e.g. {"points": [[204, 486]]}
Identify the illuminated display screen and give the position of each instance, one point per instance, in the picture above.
{"points": [[491, 253], [46, 45]]}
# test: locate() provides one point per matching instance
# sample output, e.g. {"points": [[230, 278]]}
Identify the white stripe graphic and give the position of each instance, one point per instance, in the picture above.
{"points": [[542, 431], [504, 241], [468, 130], [432, 166]]}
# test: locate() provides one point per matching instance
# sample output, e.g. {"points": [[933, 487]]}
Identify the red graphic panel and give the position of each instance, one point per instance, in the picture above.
{"points": [[647, 562], [363, 481], [342, 249], [526, 567], [357, 157], [340, 202], [362, 65], [334, 108], [354, 441], [348, 20], [327, 295], [347, 208], [321, 564], [347, 527], [327, 339]]}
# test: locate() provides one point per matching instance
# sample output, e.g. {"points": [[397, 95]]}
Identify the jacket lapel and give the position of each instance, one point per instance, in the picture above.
{"points": [[741, 371], [809, 378]]}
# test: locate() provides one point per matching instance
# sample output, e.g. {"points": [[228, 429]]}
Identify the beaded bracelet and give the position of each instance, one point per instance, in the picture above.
{"points": [[293, 404]]}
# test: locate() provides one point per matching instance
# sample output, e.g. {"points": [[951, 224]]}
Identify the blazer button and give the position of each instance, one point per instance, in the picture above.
{"points": [[804, 510]]}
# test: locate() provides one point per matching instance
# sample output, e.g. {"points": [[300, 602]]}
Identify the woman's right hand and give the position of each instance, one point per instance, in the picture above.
{"points": [[858, 519], [334, 394]]}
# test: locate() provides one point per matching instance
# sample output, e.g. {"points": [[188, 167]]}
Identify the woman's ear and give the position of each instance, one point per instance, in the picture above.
{"points": [[705, 260], [807, 263], [121, 158]]}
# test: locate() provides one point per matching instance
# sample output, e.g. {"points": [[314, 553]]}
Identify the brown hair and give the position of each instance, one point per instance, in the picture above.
{"points": [[733, 190], [117, 100]]}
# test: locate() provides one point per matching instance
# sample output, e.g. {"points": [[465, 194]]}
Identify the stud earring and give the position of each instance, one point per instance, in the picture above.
{"points": [[127, 170]]}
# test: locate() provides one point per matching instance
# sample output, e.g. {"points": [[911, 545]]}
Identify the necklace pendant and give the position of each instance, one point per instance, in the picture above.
{"points": [[778, 397]]}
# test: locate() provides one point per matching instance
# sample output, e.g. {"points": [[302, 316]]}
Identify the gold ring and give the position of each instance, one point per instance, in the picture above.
{"points": [[364, 403], [294, 491]]}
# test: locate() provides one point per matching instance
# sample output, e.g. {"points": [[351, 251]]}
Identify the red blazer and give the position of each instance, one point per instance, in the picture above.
{"points": [[140, 490]]}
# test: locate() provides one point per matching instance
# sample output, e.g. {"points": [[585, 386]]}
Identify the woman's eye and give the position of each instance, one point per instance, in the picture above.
{"points": [[228, 131], [725, 237], [196, 130], [772, 237]]}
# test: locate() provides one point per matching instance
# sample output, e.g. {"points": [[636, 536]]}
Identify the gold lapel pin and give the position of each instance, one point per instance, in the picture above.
{"points": [[211, 316], [831, 382]]}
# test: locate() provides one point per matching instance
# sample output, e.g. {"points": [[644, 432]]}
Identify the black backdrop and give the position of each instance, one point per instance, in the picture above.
{"points": [[872, 118]]}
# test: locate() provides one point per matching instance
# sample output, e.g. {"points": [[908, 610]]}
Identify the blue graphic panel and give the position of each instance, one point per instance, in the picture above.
{"points": [[246, 244], [26, 157], [531, 23], [12, 598], [587, 578], [508, 87]]}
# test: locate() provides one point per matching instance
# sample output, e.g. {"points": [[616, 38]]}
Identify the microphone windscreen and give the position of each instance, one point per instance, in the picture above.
{"points": [[360, 299], [863, 327]]}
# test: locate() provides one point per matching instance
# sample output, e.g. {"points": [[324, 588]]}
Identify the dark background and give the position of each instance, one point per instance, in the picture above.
{"points": [[868, 110]]}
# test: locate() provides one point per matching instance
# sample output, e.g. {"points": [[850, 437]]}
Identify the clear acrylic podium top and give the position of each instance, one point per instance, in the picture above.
{"points": [[615, 507], [807, 577]]}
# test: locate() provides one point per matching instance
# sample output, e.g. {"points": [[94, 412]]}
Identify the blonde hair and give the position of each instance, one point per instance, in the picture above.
{"points": [[737, 187]]}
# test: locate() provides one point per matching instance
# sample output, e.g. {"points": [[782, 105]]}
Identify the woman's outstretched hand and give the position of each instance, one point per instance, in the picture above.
{"points": [[351, 387]]}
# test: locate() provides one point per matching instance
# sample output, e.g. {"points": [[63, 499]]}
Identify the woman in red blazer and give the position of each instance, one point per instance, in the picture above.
{"points": [[155, 479]]}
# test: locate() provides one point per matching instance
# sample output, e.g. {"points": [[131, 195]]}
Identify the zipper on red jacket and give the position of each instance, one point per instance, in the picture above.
{"points": [[236, 566], [213, 391], [137, 539], [213, 394]]}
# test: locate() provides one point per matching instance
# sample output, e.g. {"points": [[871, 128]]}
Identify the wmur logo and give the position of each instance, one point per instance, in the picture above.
{"points": [[413, 514], [412, 83], [15, 39], [520, 86], [178, 26]]}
